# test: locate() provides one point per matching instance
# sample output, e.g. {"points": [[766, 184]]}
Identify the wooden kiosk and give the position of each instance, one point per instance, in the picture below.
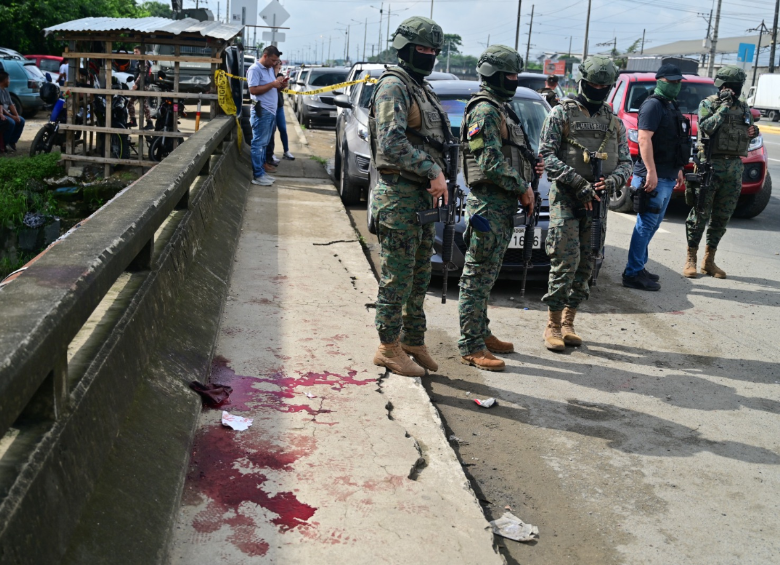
{"points": [[91, 44]]}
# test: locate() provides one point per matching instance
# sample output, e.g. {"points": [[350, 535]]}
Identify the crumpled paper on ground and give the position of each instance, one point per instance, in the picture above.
{"points": [[487, 403], [511, 527], [236, 422]]}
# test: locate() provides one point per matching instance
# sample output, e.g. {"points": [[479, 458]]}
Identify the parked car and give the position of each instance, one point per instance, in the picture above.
{"points": [[193, 77], [47, 64], [627, 96], [352, 155], [26, 81], [6, 53], [295, 83], [315, 108]]}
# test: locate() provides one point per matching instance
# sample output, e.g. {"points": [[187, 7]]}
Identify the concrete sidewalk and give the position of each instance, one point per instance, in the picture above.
{"points": [[340, 465]]}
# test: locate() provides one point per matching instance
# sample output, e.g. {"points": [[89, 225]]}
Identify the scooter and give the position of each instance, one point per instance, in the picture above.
{"points": [[50, 134]]}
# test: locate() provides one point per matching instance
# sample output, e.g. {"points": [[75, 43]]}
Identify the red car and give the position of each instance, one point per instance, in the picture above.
{"points": [[48, 64], [627, 96]]}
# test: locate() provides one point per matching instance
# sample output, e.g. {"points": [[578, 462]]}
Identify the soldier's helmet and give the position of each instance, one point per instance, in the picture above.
{"points": [[599, 70], [499, 59], [418, 30], [729, 74]]}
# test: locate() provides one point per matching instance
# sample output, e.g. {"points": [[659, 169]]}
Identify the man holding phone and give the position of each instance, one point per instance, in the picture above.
{"points": [[263, 89]]}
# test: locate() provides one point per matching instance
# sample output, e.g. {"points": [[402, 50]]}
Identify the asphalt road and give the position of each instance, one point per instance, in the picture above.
{"points": [[657, 441]]}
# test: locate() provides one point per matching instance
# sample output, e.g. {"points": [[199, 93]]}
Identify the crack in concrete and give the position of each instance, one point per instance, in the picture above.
{"points": [[337, 241]]}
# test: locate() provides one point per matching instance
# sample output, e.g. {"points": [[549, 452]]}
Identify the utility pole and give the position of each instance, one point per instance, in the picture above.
{"points": [[517, 29], [379, 44], [774, 39], [530, 29], [707, 38], [642, 51], [488, 43], [570, 46], [449, 48], [761, 29], [587, 29], [431, 16], [365, 35], [329, 48], [387, 39], [713, 48]]}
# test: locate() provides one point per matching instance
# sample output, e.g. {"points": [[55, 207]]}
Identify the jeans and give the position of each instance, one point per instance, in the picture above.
{"points": [[281, 125], [12, 131], [262, 128], [647, 224]]}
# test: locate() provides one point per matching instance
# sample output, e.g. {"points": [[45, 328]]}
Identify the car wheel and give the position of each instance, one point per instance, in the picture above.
{"points": [[752, 205], [337, 162], [773, 115], [349, 191], [621, 200], [18, 104], [370, 224]]}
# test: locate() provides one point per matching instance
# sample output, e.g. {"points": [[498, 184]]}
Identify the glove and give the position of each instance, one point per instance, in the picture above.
{"points": [[611, 183], [586, 193], [725, 95], [690, 195]]}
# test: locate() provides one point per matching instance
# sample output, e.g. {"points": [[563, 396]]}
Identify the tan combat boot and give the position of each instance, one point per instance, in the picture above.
{"points": [[391, 355], [690, 264], [567, 327], [553, 338], [495, 345], [483, 359], [421, 356], [708, 266]]}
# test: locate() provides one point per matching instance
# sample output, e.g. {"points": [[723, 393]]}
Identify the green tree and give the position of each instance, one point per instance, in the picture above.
{"points": [[23, 21], [156, 9], [451, 41]]}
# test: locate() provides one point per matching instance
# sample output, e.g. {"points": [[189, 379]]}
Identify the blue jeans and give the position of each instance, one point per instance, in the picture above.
{"points": [[647, 224], [281, 125], [262, 128], [13, 131]]}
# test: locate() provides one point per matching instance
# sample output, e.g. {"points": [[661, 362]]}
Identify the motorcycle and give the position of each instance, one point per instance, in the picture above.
{"points": [[168, 111], [119, 143], [50, 134]]}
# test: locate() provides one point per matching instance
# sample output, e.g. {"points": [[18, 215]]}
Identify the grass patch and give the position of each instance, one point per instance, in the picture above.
{"points": [[15, 197], [8, 266], [320, 160]]}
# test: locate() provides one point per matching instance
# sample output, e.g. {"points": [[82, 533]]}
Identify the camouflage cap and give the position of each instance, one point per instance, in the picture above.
{"points": [[499, 59], [599, 69], [729, 73], [418, 30]]}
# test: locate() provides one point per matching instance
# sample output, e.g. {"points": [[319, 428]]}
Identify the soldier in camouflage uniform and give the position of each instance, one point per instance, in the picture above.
{"points": [[728, 123], [548, 91], [577, 126], [498, 172], [407, 128]]}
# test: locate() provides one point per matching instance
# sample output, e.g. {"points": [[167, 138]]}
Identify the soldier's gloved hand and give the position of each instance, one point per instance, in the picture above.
{"points": [[690, 195], [439, 190], [586, 194], [726, 95], [611, 185]]}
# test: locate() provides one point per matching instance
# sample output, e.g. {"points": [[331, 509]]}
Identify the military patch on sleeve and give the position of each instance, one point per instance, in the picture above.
{"points": [[475, 129], [386, 111], [476, 143]]}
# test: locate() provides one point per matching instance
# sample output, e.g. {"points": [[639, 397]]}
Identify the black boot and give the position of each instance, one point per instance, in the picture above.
{"points": [[640, 281]]}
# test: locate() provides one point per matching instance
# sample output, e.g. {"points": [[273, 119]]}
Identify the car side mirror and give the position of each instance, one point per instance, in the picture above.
{"points": [[300, 83], [342, 101]]}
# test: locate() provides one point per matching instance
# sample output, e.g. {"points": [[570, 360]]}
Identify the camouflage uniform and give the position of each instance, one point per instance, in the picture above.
{"points": [[495, 201], [726, 184], [406, 247], [568, 237]]}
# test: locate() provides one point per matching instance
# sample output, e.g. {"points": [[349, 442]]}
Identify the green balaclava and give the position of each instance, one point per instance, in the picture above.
{"points": [[494, 65], [668, 90], [414, 31]]}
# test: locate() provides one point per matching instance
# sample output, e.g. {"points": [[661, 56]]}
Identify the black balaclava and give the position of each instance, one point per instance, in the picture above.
{"points": [[592, 98], [735, 87], [501, 85], [417, 64]]}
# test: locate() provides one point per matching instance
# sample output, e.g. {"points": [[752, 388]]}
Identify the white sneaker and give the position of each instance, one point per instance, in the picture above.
{"points": [[269, 177], [288, 155], [262, 181], [275, 160]]}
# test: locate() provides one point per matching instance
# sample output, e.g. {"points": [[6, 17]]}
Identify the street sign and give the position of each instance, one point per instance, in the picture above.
{"points": [[274, 14], [554, 67], [746, 52], [269, 36], [243, 12]]}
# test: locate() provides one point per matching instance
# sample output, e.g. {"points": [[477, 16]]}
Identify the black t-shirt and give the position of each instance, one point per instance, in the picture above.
{"points": [[651, 113]]}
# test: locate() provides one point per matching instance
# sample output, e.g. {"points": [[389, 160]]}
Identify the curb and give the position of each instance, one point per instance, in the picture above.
{"points": [[298, 129], [768, 127]]}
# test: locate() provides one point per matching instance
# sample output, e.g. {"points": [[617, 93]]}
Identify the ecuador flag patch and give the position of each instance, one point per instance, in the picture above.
{"points": [[474, 130]]}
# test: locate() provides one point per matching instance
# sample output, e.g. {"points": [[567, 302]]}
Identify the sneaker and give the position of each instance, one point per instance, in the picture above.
{"points": [[640, 282], [11, 148], [269, 177], [650, 275], [133, 123], [262, 181], [289, 156], [275, 160]]}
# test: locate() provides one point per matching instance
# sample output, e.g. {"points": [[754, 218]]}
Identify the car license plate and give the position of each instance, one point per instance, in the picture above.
{"points": [[333, 113], [518, 238]]}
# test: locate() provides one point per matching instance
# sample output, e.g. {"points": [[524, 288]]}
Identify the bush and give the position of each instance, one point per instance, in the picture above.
{"points": [[15, 198]]}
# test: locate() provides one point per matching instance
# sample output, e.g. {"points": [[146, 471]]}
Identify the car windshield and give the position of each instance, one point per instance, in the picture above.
{"points": [[532, 82], [50, 65], [327, 79], [691, 95]]}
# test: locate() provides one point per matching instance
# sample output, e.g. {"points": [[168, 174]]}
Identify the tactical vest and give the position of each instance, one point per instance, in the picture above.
{"points": [[731, 138], [426, 123], [589, 133], [512, 139], [672, 140]]}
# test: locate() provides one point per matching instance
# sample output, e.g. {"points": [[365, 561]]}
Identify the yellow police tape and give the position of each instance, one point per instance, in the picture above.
{"points": [[330, 88]]}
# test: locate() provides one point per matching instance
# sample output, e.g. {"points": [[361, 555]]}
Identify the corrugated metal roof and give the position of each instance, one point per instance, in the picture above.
{"points": [[216, 30]]}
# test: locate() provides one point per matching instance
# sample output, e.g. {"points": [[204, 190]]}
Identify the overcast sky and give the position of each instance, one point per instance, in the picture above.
{"points": [[555, 21]]}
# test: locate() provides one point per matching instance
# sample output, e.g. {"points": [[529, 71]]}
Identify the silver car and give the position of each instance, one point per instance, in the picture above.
{"points": [[316, 108]]}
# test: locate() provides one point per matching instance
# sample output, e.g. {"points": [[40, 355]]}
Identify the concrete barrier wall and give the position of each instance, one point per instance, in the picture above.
{"points": [[121, 274]]}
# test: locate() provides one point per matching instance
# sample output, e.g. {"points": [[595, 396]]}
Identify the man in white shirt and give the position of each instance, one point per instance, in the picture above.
{"points": [[263, 87], [63, 78]]}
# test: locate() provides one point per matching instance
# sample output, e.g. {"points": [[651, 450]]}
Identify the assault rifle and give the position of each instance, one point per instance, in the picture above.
{"points": [[702, 175], [531, 221], [599, 215], [450, 214]]}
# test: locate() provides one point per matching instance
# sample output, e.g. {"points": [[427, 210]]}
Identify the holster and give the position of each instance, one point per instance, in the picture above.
{"points": [[642, 201]]}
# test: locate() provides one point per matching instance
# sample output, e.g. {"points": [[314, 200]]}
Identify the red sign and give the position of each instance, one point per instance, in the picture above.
{"points": [[554, 67]]}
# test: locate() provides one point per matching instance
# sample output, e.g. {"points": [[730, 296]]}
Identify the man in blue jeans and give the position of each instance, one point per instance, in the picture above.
{"points": [[263, 89], [11, 123], [664, 148]]}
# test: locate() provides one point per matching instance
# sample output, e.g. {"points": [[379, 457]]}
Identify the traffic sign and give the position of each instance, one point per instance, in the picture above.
{"points": [[274, 14], [271, 36], [243, 12], [746, 52]]}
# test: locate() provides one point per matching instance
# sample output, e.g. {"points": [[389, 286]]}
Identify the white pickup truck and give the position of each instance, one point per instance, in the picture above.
{"points": [[765, 96]]}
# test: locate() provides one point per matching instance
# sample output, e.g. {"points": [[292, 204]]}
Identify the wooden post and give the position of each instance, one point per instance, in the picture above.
{"points": [[176, 101], [109, 100], [70, 104], [213, 89], [142, 102]]}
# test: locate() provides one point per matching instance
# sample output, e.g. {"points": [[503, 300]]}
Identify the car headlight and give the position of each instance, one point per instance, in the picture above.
{"points": [[362, 133], [314, 98], [756, 143], [633, 135]]}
